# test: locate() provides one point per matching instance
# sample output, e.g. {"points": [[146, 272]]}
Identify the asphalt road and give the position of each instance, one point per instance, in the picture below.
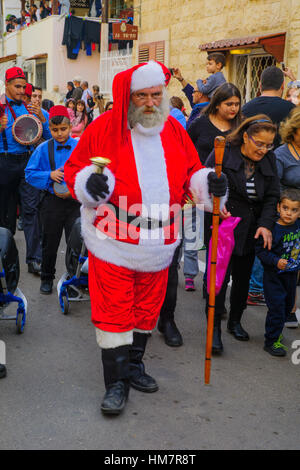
{"points": [[51, 396]]}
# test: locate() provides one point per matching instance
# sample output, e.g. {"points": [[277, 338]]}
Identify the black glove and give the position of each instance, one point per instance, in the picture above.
{"points": [[96, 186], [217, 186]]}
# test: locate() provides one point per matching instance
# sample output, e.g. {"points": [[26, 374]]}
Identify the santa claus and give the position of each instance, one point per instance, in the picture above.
{"points": [[130, 218]]}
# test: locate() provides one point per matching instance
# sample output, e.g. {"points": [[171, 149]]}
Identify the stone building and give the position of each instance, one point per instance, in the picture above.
{"points": [[251, 33]]}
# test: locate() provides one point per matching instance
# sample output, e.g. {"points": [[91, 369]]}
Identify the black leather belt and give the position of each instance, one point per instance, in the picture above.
{"points": [[142, 222]]}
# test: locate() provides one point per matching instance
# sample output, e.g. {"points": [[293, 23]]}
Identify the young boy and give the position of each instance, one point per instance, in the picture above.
{"points": [[214, 65], [281, 265], [45, 168]]}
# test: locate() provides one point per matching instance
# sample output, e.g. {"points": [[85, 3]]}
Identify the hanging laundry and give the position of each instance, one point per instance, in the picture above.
{"points": [[91, 34], [73, 35]]}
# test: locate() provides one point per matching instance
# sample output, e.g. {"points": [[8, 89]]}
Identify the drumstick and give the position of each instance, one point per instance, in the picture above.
{"points": [[219, 153]]}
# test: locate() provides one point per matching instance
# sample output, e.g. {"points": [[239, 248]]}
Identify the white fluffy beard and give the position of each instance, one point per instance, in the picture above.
{"points": [[158, 117]]}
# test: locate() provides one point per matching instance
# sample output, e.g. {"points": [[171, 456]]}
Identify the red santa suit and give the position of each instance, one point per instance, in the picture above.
{"points": [[151, 171]]}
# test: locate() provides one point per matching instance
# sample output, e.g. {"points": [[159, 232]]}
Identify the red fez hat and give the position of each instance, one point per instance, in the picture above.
{"points": [[14, 72], [59, 110], [28, 90]]}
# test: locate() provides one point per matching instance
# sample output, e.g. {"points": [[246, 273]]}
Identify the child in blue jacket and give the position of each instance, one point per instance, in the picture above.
{"points": [[281, 265], [58, 212]]}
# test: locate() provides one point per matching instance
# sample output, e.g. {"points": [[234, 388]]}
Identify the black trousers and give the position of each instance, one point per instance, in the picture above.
{"points": [[11, 176], [240, 268], [169, 305], [14, 189], [57, 215], [280, 294]]}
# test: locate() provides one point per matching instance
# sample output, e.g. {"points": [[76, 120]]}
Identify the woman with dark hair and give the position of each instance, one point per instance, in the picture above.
{"points": [[80, 121], [70, 87], [98, 100], [219, 118], [109, 106], [47, 104], [253, 183]]}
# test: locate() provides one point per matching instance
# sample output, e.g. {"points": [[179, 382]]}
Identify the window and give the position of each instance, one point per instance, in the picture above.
{"points": [[41, 75], [117, 6], [152, 50], [247, 70]]}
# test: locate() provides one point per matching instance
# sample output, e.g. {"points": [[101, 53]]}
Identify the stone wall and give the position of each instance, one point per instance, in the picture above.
{"points": [[189, 23]]}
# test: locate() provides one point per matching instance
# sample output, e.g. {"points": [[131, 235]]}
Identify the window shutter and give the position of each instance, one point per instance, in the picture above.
{"points": [[143, 54], [160, 51], [152, 51]]}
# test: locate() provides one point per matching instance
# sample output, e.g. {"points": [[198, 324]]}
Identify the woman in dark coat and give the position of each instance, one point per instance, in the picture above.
{"points": [[219, 118], [250, 166]]}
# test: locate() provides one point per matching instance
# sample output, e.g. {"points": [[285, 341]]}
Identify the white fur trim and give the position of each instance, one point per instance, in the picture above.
{"points": [[81, 192], [147, 76], [150, 160], [152, 171], [199, 189], [136, 257], [108, 340]]}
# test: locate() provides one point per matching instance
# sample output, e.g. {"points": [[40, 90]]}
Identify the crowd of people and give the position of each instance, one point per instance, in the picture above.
{"points": [[160, 155], [28, 16], [83, 104], [34, 13]]}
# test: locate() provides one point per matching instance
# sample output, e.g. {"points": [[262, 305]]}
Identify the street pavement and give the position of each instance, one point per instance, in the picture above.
{"points": [[51, 396]]}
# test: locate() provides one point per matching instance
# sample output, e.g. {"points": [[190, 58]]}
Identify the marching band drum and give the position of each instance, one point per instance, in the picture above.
{"points": [[27, 129]]}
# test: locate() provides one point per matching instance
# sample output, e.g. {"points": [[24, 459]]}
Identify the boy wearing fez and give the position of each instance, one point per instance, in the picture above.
{"points": [[281, 265], [58, 212]]}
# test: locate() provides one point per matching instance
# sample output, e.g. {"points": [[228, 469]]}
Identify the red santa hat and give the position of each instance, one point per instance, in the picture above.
{"points": [[58, 110], [145, 75], [149, 75], [13, 73]]}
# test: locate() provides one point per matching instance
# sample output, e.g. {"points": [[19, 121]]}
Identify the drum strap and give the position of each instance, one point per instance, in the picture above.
{"points": [[4, 138], [51, 154]]}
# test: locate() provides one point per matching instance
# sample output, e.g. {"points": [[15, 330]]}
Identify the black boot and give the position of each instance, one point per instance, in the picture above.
{"points": [[166, 324], [46, 287], [235, 328], [116, 377], [170, 331], [2, 371], [138, 377], [217, 345]]}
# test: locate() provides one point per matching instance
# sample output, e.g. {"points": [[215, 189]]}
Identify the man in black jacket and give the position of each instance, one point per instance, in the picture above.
{"points": [[270, 101], [77, 92]]}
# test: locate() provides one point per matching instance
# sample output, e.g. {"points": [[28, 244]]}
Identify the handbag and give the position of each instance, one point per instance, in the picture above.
{"points": [[225, 249], [91, 103]]}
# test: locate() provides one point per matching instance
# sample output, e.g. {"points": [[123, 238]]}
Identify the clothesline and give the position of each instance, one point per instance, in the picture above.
{"points": [[79, 29]]}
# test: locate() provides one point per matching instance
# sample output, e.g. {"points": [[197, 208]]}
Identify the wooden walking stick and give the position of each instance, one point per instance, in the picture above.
{"points": [[219, 153]]}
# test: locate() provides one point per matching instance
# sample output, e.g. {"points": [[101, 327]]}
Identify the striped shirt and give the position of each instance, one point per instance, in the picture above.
{"points": [[250, 188]]}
